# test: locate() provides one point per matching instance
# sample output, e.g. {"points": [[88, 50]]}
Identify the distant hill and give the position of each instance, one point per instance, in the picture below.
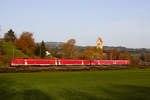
{"points": [[120, 48], [59, 44], [54, 44]]}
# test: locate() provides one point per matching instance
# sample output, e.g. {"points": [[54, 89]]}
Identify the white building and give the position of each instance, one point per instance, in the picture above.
{"points": [[47, 53]]}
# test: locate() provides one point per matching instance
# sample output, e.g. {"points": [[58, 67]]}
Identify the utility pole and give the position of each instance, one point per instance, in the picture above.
{"points": [[13, 53]]}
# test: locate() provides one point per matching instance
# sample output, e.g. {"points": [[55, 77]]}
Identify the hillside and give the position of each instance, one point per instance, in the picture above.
{"points": [[10, 52], [11, 49]]}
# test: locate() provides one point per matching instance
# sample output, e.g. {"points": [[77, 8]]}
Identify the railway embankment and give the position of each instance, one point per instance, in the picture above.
{"points": [[27, 69]]}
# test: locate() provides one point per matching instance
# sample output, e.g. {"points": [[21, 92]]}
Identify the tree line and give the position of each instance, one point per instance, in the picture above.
{"points": [[26, 43], [69, 50]]}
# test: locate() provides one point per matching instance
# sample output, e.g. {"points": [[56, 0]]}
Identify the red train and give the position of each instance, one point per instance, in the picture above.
{"points": [[18, 62]]}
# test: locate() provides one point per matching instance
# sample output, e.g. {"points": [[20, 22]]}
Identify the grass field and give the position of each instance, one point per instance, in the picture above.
{"points": [[100, 85]]}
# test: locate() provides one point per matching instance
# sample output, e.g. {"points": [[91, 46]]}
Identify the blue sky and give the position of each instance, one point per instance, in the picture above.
{"points": [[118, 22]]}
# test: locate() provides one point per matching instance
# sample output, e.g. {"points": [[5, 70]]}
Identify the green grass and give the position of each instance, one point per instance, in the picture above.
{"points": [[9, 48], [100, 85]]}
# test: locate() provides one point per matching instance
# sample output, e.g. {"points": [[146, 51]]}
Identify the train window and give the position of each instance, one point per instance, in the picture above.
{"points": [[47, 61], [38, 61], [41, 61], [14, 61], [22, 61], [34, 61]]}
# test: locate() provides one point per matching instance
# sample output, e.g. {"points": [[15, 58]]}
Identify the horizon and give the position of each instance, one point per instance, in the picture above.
{"points": [[118, 23]]}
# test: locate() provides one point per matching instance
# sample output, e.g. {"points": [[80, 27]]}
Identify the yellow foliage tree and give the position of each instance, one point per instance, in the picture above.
{"points": [[69, 50]]}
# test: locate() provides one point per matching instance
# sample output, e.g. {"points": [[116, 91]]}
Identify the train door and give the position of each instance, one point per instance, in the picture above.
{"points": [[26, 62], [82, 62], [55, 62], [59, 62]]}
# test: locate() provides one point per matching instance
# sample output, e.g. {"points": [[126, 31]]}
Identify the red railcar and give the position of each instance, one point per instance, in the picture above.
{"points": [[18, 62]]}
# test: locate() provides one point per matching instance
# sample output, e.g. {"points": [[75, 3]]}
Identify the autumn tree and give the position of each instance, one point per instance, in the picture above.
{"points": [[37, 50], [146, 57], [69, 50], [124, 56], [10, 36], [109, 55], [115, 54], [98, 53], [26, 43], [135, 61], [88, 53], [43, 49]]}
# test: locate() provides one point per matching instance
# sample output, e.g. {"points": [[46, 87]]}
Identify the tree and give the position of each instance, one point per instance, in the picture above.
{"points": [[10, 36], [98, 53], [69, 49], [115, 54], [109, 55], [88, 53], [37, 50], [142, 57], [26, 43], [124, 56], [43, 49]]}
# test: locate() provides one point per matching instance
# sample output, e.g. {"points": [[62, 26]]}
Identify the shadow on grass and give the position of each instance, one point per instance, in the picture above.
{"points": [[118, 92], [71, 94], [127, 92], [9, 93]]}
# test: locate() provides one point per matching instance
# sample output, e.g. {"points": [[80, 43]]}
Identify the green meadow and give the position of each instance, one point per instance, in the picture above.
{"points": [[94, 85]]}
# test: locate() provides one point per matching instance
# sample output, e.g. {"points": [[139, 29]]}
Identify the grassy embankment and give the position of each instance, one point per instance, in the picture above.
{"points": [[98, 85], [10, 50]]}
